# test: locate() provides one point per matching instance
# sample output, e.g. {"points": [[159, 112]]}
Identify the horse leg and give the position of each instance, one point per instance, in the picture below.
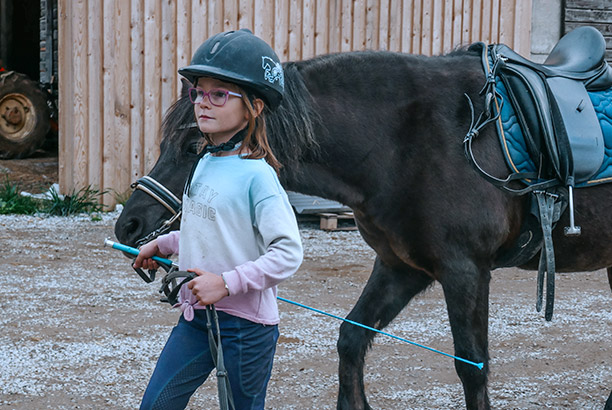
{"points": [[610, 277], [466, 290], [387, 292], [609, 401]]}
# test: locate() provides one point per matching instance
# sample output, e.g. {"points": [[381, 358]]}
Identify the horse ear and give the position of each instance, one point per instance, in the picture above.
{"points": [[185, 86]]}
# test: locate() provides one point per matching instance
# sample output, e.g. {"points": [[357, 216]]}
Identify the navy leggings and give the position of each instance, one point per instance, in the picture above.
{"points": [[186, 362]]}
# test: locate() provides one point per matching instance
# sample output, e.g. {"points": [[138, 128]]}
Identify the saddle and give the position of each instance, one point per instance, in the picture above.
{"points": [[552, 104], [559, 131]]}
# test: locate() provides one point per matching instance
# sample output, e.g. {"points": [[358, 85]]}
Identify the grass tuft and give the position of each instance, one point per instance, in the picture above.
{"points": [[85, 200], [12, 202]]}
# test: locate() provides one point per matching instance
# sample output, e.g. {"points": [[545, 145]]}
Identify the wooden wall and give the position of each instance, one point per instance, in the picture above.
{"points": [[118, 60], [596, 13]]}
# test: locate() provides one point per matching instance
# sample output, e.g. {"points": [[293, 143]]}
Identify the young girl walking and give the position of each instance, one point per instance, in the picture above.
{"points": [[238, 231]]}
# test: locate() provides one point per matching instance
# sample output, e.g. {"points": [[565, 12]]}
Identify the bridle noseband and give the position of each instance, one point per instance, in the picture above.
{"points": [[164, 197]]}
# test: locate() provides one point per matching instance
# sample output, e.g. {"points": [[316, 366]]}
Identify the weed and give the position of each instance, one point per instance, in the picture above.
{"points": [[12, 202], [85, 200]]}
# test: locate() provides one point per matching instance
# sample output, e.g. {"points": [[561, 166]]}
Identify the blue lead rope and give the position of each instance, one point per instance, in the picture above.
{"points": [[134, 251], [479, 365]]}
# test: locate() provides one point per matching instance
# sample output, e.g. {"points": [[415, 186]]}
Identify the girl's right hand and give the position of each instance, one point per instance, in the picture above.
{"points": [[143, 260]]}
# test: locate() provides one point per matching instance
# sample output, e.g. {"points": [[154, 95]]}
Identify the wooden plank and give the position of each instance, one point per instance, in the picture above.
{"points": [[322, 27], [308, 29], [588, 4], [495, 20], [264, 20], [281, 30], [589, 16], [152, 74], [485, 22], [295, 30], [522, 36], [407, 31], [447, 27], [121, 103], [79, 147], [346, 43], [230, 14], [383, 24], [79, 98], [604, 28], [188, 34], [215, 17], [168, 54], [194, 17], [248, 12], [108, 112], [335, 26], [506, 22], [359, 25], [466, 22], [66, 92], [476, 20], [416, 27], [437, 27], [136, 86], [372, 24], [395, 25], [94, 94]]}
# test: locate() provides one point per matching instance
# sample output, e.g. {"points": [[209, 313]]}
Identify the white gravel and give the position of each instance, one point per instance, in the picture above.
{"points": [[81, 331]]}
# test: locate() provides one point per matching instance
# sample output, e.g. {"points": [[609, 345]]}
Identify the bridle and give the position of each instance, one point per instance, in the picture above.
{"points": [[162, 195]]}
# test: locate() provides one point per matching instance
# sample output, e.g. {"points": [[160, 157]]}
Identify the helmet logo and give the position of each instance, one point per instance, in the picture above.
{"points": [[273, 71]]}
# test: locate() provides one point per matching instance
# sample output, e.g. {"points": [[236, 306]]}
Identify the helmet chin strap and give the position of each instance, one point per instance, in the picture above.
{"points": [[225, 146], [230, 145]]}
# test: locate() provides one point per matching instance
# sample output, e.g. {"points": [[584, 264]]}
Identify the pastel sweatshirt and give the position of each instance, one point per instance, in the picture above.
{"points": [[237, 221]]}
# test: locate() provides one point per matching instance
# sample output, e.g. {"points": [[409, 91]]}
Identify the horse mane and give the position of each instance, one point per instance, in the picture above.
{"points": [[178, 124], [291, 127]]}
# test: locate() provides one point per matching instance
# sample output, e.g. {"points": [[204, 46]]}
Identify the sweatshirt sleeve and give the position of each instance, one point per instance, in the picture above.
{"points": [[168, 244], [276, 223]]}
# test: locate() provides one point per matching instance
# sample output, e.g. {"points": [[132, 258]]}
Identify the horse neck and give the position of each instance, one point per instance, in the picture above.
{"points": [[376, 113]]}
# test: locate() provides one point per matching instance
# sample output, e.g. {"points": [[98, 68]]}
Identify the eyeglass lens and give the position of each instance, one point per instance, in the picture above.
{"points": [[216, 96]]}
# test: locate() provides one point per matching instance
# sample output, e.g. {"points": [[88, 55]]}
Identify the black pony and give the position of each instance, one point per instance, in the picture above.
{"points": [[382, 133]]}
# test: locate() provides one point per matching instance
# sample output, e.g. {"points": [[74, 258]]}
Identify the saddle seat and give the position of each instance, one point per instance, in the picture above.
{"points": [[579, 55], [561, 129]]}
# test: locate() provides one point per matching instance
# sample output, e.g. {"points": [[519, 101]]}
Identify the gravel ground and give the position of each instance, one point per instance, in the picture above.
{"points": [[82, 331]]}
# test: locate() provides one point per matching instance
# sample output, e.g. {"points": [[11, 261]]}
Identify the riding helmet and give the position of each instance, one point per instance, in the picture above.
{"points": [[242, 58]]}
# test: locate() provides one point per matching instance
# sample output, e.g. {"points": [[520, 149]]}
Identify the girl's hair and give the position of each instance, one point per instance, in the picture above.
{"points": [[256, 138]]}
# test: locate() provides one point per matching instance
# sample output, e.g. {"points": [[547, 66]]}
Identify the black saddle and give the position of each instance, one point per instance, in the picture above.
{"points": [[553, 107], [561, 130]]}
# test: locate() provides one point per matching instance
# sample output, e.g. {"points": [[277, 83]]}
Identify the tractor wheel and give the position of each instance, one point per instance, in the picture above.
{"points": [[24, 116]]}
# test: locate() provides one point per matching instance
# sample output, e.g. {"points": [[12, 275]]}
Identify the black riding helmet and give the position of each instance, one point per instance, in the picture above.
{"points": [[239, 57]]}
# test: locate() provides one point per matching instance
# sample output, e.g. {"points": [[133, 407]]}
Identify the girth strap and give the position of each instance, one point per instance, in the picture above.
{"points": [[549, 207]]}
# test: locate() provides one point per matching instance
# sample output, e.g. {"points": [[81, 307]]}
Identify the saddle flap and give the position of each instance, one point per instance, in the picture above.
{"points": [[581, 125]]}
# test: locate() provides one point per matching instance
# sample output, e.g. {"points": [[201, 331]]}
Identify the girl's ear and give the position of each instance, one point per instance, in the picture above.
{"points": [[258, 106]]}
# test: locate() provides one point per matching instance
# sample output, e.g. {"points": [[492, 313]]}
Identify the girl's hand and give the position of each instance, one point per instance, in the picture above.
{"points": [[143, 260], [207, 287]]}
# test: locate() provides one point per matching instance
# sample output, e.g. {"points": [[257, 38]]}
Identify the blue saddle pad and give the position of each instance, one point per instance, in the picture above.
{"points": [[515, 149]]}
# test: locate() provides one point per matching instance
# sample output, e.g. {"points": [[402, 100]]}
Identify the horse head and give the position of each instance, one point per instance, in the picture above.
{"points": [[145, 213]]}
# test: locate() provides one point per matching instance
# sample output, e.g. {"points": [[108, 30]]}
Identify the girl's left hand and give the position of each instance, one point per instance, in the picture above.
{"points": [[208, 287]]}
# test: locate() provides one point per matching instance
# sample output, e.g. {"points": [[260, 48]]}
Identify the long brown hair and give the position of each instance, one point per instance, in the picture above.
{"points": [[256, 139]]}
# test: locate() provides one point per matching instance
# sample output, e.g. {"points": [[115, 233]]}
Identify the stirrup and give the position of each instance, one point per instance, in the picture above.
{"points": [[571, 230]]}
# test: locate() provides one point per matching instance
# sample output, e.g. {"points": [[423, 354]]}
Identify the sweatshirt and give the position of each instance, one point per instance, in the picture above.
{"points": [[237, 221]]}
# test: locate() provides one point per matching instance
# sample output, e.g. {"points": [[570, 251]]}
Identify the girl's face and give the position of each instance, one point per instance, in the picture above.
{"points": [[220, 123]]}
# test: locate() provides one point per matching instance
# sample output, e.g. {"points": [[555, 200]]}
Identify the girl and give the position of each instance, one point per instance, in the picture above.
{"points": [[238, 231]]}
